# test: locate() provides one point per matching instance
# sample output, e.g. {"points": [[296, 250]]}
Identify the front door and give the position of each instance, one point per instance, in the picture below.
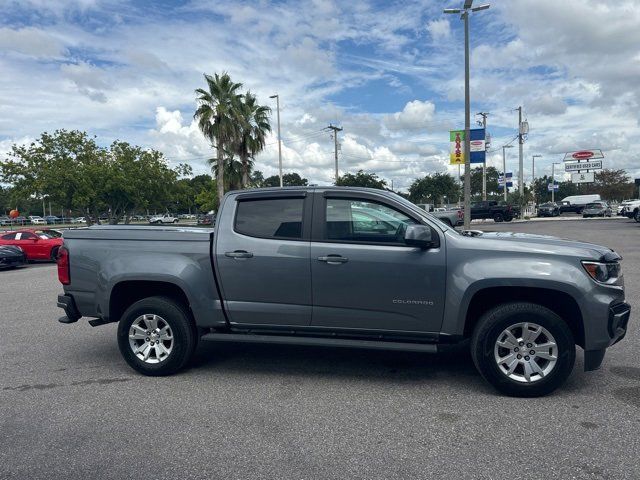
{"points": [[262, 259], [364, 276]]}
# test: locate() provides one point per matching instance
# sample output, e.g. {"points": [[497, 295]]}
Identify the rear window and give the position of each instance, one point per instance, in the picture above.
{"points": [[270, 218]]}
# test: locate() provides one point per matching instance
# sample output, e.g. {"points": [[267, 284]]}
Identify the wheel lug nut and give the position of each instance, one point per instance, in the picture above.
{"points": [[146, 339], [526, 358], [519, 356], [151, 343], [529, 345], [516, 349], [532, 352], [521, 344]]}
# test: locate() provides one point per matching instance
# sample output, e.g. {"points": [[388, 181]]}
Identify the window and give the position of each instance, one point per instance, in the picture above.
{"points": [[10, 236], [364, 221], [270, 218], [27, 236]]}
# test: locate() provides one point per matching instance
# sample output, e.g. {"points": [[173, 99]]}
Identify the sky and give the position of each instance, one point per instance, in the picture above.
{"points": [[390, 73]]}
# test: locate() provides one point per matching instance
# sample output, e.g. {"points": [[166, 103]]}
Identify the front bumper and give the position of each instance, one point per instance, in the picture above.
{"points": [[68, 304], [617, 323]]}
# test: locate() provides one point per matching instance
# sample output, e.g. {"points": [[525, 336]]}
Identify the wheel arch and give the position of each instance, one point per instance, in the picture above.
{"points": [[127, 292], [559, 302]]}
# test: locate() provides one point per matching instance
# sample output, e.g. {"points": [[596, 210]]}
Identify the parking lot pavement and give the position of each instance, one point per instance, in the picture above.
{"points": [[71, 408]]}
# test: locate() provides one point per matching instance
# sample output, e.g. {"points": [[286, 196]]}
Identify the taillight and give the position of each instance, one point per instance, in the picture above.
{"points": [[460, 214], [63, 266]]}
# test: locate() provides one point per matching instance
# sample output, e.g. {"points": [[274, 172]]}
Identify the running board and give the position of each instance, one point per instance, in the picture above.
{"points": [[321, 342]]}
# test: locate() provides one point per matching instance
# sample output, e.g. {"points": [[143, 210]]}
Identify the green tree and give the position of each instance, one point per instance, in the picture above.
{"points": [[362, 179], [218, 115], [292, 179], [613, 185], [434, 188], [252, 133], [492, 182]]}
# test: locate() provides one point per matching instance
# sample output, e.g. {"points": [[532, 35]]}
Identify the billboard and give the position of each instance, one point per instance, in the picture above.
{"points": [[509, 180], [477, 146]]}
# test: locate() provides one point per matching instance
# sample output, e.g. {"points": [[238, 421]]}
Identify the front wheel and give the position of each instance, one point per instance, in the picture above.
{"points": [[636, 216], [497, 217], [156, 336], [523, 349]]}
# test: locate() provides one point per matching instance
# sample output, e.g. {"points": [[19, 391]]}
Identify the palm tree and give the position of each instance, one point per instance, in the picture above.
{"points": [[218, 116], [252, 133]]}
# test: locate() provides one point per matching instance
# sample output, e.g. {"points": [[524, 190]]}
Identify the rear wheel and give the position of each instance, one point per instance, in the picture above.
{"points": [[523, 349], [636, 215], [156, 336], [498, 218], [54, 254]]}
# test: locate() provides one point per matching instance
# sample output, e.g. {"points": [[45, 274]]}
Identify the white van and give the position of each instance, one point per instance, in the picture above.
{"points": [[575, 203]]}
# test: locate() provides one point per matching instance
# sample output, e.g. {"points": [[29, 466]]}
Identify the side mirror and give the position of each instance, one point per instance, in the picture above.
{"points": [[420, 236]]}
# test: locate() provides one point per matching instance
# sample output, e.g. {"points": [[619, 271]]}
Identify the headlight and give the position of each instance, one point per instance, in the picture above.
{"points": [[607, 273]]}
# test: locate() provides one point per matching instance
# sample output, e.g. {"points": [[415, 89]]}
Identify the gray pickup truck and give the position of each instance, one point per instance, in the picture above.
{"points": [[347, 267]]}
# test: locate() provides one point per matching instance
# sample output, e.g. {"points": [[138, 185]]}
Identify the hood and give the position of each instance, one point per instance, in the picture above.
{"points": [[550, 244]]}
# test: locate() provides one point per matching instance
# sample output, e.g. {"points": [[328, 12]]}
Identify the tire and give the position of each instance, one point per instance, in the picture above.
{"points": [[182, 343], [491, 328], [54, 254], [508, 219], [636, 215], [175, 221], [498, 218]]}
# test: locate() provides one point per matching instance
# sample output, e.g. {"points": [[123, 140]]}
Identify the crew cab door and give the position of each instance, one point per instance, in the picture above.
{"points": [[262, 250], [363, 274]]}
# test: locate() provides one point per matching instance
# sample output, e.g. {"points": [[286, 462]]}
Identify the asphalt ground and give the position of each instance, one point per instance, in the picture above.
{"points": [[71, 408]]}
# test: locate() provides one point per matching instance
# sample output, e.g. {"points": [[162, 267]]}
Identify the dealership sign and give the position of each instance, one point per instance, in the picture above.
{"points": [[477, 146], [587, 177], [553, 187], [583, 155], [577, 166]]}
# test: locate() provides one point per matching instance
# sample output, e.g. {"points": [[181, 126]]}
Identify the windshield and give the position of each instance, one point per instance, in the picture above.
{"points": [[594, 205]]}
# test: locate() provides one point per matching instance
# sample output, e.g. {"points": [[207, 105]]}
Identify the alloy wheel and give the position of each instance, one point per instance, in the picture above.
{"points": [[151, 338]]}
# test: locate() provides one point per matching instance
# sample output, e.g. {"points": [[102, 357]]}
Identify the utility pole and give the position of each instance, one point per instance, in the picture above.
{"points": [[335, 146], [533, 174], [277, 97], [464, 12], [504, 170], [520, 159], [484, 164]]}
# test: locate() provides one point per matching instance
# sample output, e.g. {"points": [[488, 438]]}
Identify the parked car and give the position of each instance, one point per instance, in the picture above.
{"points": [[596, 209], [576, 203], [304, 266], [52, 219], [36, 220], [166, 218], [632, 209], [549, 209], [453, 218], [5, 221], [206, 219], [11, 256], [493, 209], [35, 244], [79, 220]]}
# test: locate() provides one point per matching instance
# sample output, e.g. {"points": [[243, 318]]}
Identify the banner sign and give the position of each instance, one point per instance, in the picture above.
{"points": [[587, 177], [590, 165], [552, 187], [583, 155], [509, 180], [477, 146]]}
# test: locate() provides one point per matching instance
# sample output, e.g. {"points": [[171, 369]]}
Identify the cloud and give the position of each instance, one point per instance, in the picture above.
{"points": [[416, 115], [30, 41], [439, 29]]}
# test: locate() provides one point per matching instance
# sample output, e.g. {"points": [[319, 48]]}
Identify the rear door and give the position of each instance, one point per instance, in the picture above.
{"points": [[364, 276], [262, 258]]}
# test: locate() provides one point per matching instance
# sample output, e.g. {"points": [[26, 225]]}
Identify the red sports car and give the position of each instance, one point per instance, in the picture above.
{"points": [[36, 244]]}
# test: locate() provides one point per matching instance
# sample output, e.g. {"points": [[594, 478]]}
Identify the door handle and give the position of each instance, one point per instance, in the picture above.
{"points": [[333, 259], [238, 254]]}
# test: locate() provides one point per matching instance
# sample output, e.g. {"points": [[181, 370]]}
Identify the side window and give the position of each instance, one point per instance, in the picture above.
{"points": [[364, 221], [27, 236], [270, 218], [10, 236]]}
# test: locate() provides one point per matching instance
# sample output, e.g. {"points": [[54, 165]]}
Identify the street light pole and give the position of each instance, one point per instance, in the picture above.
{"points": [[533, 175], [277, 97], [464, 15], [504, 171], [553, 180]]}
